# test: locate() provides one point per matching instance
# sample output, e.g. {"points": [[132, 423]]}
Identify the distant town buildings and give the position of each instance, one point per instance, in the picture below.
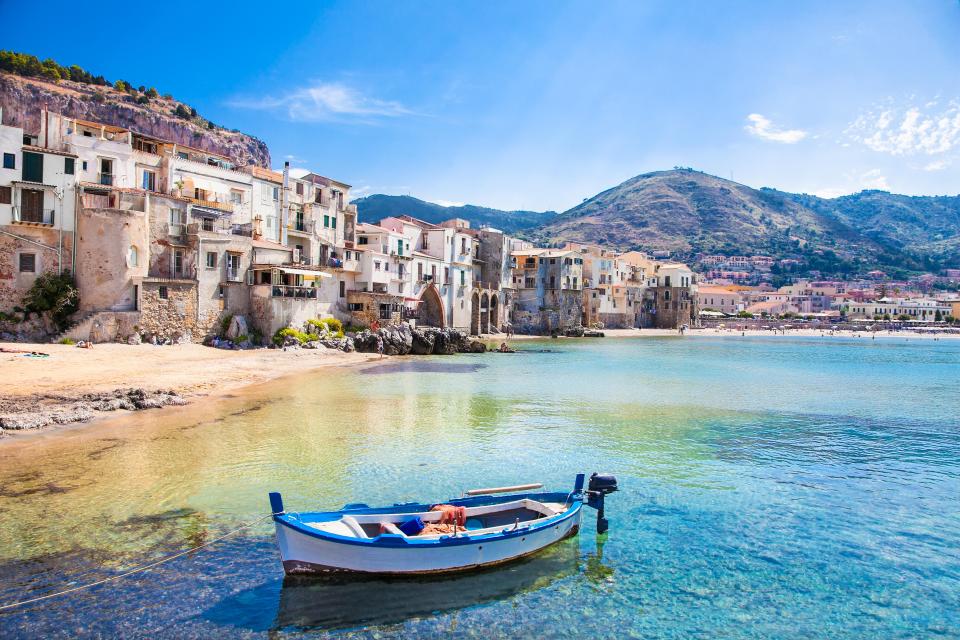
{"points": [[167, 240]]}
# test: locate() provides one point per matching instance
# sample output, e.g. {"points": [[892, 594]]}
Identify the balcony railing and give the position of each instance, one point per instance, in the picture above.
{"points": [[105, 178], [222, 227], [34, 216], [213, 204], [303, 226], [298, 293], [234, 275]]}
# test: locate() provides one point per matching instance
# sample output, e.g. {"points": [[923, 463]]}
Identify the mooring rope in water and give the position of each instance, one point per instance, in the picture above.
{"points": [[139, 569]]}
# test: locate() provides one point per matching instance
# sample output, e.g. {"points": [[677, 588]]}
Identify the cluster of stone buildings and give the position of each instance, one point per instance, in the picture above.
{"points": [[828, 299], [169, 240]]}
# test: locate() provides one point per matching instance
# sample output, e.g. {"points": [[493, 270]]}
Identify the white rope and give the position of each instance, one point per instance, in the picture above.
{"points": [[139, 569]]}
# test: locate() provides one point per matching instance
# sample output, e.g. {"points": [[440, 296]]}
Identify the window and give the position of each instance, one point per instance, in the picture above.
{"points": [[177, 262], [83, 165], [28, 263], [299, 189], [164, 293], [236, 197], [446, 275], [183, 155], [233, 267], [333, 222], [363, 240], [149, 181], [9, 161], [343, 289], [32, 167], [133, 256], [68, 166], [376, 265], [400, 270], [326, 222], [463, 245], [463, 277], [206, 224], [31, 205], [106, 171], [420, 271], [178, 219], [6, 195], [276, 194], [318, 195], [211, 259]]}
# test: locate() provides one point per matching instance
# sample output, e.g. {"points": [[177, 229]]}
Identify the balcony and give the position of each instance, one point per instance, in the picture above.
{"points": [[33, 216], [207, 225], [212, 204], [234, 274], [297, 293], [304, 227]]}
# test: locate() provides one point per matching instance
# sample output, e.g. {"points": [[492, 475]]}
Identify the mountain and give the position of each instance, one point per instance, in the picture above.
{"points": [[690, 213], [27, 85], [375, 207]]}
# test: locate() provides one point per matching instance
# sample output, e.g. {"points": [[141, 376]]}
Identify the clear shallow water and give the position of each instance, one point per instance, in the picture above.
{"points": [[770, 488]]}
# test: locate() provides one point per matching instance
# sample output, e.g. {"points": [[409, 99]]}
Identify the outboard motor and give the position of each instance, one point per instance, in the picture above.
{"points": [[601, 484]]}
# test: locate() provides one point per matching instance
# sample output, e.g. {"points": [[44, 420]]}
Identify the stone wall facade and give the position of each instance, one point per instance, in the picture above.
{"points": [[672, 307], [112, 258], [14, 283], [168, 310]]}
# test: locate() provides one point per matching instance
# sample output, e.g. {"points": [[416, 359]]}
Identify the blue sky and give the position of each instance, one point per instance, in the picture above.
{"points": [[539, 105]]}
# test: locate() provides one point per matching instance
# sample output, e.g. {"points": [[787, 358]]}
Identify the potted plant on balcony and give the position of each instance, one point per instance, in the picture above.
{"points": [[179, 185]]}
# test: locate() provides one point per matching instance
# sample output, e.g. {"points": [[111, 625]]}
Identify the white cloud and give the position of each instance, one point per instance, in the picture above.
{"points": [[360, 192], [902, 131], [324, 101], [937, 165], [873, 179], [831, 192], [447, 203], [761, 127]]}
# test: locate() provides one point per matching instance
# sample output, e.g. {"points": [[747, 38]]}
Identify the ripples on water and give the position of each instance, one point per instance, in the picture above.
{"points": [[770, 488]]}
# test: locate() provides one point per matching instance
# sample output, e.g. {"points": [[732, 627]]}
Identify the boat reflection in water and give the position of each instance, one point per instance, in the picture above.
{"points": [[341, 601]]}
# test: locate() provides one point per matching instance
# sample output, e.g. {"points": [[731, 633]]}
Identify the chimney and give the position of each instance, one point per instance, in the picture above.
{"points": [[284, 203]]}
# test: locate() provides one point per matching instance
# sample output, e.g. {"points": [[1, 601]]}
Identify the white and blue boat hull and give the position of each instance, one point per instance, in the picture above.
{"points": [[307, 547]]}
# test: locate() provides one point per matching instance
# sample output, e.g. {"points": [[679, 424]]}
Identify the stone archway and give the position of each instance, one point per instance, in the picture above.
{"points": [[475, 314], [431, 308], [494, 312]]}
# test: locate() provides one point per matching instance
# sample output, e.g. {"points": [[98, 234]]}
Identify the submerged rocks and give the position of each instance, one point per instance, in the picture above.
{"points": [[399, 340], [43, 411]]}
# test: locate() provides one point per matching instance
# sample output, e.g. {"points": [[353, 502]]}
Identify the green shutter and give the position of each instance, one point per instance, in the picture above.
{"points": [[32, 167], [68, 166]]}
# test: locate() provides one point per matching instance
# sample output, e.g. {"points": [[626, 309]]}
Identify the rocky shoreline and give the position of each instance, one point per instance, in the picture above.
{"points": [[398, 340], [40, 411]]}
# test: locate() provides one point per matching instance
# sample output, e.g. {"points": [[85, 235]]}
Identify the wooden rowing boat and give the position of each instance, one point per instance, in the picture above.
{"points": [[497, 525]]}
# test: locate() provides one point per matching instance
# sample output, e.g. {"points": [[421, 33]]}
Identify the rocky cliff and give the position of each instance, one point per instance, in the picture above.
{"points": [[22, 99]]}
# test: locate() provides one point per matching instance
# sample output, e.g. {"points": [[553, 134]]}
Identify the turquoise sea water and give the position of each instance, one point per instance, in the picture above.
{"points": [[770, 488]]}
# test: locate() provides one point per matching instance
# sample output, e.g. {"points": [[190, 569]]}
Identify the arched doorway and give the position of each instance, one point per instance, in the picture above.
{"points": [[484, 313], [431, 308], [475, 314], [494, 312]]}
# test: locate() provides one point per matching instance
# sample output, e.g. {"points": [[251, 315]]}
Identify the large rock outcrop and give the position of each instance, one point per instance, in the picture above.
{"points": [[401, 340], [23, 99]]}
